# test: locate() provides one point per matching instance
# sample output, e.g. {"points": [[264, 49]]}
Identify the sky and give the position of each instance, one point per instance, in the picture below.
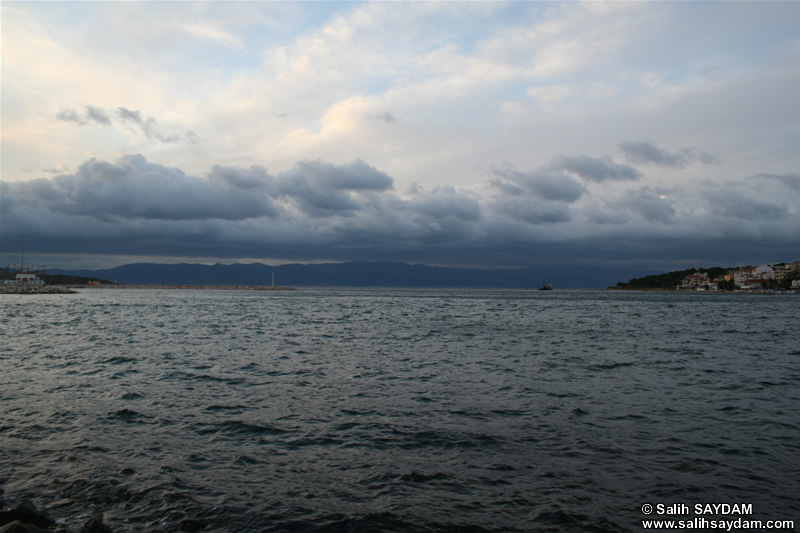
{"points": [[643, 135]]}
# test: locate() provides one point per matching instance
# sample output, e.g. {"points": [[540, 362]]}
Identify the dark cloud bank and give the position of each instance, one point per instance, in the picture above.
{"points": [[555, 216]]}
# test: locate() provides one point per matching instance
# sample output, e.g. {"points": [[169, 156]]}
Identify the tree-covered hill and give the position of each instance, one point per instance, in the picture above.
{"points": [[671, 279]]}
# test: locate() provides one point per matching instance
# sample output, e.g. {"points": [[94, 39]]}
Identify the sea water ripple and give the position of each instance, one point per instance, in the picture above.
{"points": [[397, 410]]}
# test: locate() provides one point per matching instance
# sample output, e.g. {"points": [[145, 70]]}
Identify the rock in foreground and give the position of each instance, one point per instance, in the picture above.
{"points": [[25, 517]]}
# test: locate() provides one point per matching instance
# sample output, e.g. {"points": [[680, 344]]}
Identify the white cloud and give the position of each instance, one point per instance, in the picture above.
{"points": [[214, 34], [549, 93]]}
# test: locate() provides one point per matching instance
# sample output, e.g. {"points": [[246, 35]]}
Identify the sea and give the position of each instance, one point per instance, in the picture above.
{"points": [[400, 410]]}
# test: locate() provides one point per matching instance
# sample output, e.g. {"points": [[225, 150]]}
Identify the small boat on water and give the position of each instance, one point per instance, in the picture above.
{"points": [[546, 286]]}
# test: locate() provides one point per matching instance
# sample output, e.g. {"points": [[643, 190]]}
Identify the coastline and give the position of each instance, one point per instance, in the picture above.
{"points": [[642, 289]]}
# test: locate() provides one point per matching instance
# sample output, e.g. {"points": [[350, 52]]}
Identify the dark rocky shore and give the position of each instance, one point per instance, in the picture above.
{"points": [[24, 517]]}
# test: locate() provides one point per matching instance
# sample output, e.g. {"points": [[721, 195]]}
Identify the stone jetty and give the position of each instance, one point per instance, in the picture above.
{"points": [[18, 288]]}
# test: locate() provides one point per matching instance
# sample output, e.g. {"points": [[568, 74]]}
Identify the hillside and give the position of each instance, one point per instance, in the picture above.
{"points": [[780, 276], [352, 274], [670, 280]]}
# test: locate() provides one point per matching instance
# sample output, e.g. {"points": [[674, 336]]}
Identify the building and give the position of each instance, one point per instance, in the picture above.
{"points": [[25, 278], [753, 284], [698, 282], [742, 275], [763, 272], [779, 273]]}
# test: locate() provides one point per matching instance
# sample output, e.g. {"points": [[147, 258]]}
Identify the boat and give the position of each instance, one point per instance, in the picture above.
{"points": [[546, 286]]}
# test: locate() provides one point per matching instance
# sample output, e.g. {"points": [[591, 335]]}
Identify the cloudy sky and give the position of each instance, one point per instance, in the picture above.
{"points": [[651, 135]]}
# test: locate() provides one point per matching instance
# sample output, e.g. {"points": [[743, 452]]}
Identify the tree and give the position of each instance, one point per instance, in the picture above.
{"points": [[786, 282], [726, 285]]}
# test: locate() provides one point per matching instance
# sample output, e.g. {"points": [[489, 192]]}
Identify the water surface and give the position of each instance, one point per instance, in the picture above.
{"points": [[397, 410]]}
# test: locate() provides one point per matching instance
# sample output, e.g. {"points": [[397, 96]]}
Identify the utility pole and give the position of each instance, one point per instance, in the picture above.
{"points": [[22, 256]]}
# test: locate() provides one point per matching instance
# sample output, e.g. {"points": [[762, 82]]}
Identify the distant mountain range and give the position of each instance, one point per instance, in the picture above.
{"points": [[354, 274]]}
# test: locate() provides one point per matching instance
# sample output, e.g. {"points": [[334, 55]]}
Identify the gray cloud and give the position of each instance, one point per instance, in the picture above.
{"points": [[597, 169], [322, 211], [554, 181], [322, 189], [353, 176], [790, 181], [543, 183], [126, 115], [733, 204], [648, 153], [506, 187], [254, 178], [531, 212], [91, 115], [442, 203], [648, 205], [317, 203], [147, 127], [383, 116], [133, 188], [70, 115], [602, 214], [95, 114], [131, 119]]}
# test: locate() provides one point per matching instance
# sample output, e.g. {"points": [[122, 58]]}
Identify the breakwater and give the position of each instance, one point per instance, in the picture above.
{"points": [[34, 289]]}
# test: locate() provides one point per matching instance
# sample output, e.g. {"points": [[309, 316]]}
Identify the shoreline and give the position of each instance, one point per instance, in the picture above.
{"points": [[631, 289]]}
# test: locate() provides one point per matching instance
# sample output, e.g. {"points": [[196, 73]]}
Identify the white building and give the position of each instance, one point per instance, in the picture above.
{"points": [[741, 275], [763, 272], [25, 278]]}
